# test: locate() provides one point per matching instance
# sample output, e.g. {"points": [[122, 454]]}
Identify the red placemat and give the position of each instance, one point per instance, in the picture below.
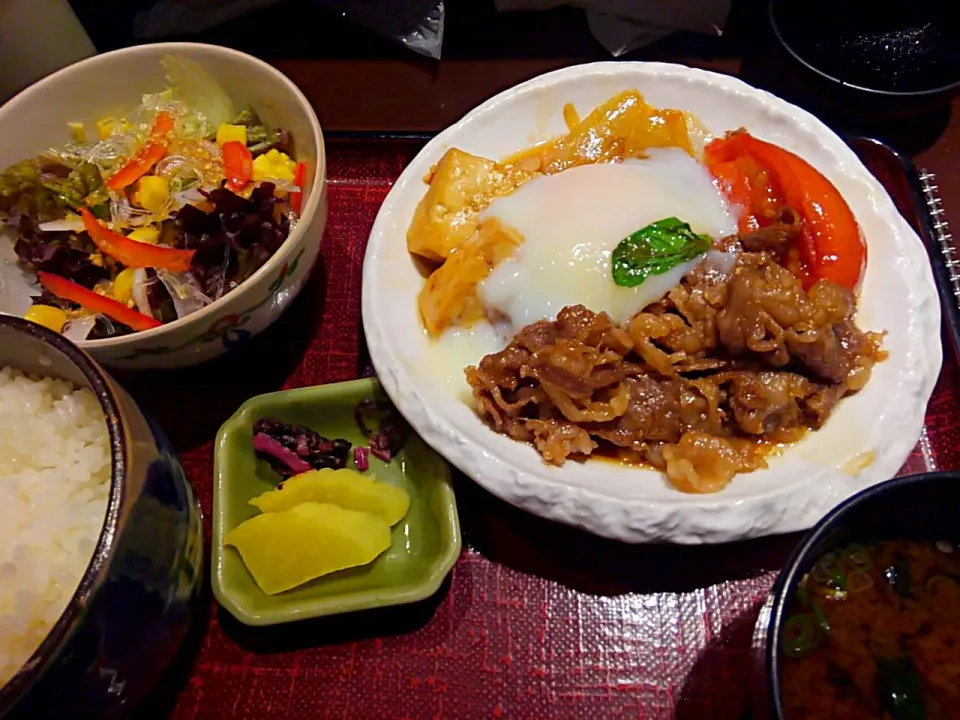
{"points": [[536, 620]]}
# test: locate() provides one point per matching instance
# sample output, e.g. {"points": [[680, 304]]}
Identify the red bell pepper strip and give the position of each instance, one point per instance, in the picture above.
{"points": [[237, 164], [132, 253], [100, 304], [147, 156], [831, 246], [299, 178]]}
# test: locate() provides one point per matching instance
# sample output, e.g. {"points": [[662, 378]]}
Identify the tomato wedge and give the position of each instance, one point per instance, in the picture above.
{"points": [[132, 253], [299, 178], [147, 156], [831, 247], [100, 304], [237, 164]]}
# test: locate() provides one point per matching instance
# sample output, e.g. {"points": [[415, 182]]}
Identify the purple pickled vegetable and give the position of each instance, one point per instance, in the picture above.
{"points": [[263, 443], [310, 448], [388, 437], [361, 458]]}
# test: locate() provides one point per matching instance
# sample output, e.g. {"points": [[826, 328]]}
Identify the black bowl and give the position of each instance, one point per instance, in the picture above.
{"points": [[918, 507], [134, 603], [872, 59]]}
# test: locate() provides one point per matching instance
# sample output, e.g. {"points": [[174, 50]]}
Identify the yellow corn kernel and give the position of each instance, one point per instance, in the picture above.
{"points": [[48, 316], [146, 234], [274, 164], [228, 133], [152, 193], [123, 286], [77, 131]]}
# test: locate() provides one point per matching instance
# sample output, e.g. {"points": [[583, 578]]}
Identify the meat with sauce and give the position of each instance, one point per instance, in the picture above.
{"points": [[732, 361]]}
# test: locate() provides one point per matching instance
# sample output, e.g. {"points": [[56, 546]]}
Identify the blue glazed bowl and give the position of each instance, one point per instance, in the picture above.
{"points": [[134, 604]]}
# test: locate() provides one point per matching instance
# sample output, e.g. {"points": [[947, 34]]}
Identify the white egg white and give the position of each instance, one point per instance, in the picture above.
{"points": [[572, 221]]}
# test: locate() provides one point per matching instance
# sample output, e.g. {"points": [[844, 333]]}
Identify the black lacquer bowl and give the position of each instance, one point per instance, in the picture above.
{"points": [[915, 507], [872, 59], [134, 603]]}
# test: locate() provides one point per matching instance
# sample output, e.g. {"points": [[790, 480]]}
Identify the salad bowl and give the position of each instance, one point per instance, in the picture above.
{"points": [[39, 117]]}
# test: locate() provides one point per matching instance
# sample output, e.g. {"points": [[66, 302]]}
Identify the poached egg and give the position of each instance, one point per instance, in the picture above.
{"points": [[570, 223]]}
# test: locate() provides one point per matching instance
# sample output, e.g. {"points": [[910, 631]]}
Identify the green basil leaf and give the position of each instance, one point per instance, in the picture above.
{"points": [[655, 249]]}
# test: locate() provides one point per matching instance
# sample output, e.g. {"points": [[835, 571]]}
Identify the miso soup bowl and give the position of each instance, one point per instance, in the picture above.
{"points": [[914, 507], [112, 84], [138, 595]]}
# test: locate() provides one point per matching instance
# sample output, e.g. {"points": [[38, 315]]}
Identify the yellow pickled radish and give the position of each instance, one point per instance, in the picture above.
{"points": [[346, 488], [48, 316], [123, 285], [285, 549]]}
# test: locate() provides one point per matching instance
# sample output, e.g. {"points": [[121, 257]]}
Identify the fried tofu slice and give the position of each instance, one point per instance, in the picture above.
{"points": [[461, 185], [450, 295]]}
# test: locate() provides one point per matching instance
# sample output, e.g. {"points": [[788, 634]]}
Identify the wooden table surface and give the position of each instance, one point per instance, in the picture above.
{"points": [[358, 80], [417, 95]]}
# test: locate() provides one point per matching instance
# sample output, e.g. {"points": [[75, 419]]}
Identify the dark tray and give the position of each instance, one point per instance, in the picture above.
{"points": [[537, 620]]}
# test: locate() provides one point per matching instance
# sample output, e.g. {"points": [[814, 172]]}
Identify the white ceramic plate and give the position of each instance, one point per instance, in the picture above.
{"points": [[867, 439]]}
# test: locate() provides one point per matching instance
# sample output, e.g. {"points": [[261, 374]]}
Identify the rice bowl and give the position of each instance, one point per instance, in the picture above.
{"points": [[105, 553], [54, 486]]}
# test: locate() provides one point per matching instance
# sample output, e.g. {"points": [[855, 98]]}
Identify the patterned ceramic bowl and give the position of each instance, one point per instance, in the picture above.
{"points": [[134, 603], [37, 118]]}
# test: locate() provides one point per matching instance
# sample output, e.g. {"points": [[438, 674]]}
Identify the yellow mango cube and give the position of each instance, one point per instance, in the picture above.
{"points": [[231, 133], [274, 164], [145, 234], [152, 193], [48, 316]]}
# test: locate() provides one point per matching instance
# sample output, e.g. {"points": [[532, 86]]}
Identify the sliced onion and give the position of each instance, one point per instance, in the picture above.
{"points": [[188, 196], [73, 223], [281, 185], [78, 330], [185, 292], [139, 291]]}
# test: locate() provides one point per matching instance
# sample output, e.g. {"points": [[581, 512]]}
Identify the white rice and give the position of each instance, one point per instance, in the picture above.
{"points": [[54, 485]]}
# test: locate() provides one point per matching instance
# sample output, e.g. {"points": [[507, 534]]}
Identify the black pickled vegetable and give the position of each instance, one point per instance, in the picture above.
{"points": [[310, 446], [900, 689], [387, 430]]}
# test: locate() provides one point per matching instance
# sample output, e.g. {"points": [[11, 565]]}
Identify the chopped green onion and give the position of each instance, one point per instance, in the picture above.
{"points": [[801, 634], [821, 618], [858, 557], [938, 579], [858, 581], [803, 592]]}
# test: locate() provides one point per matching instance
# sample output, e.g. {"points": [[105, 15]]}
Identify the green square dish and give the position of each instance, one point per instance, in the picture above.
{"points": [[425, 544]]}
